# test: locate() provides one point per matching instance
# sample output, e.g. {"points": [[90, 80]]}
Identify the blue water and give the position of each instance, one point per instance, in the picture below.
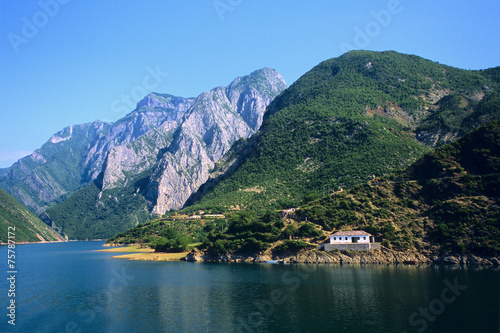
{"points": [[66, 287]]}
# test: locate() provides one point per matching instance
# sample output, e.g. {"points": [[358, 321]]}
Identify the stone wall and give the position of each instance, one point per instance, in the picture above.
{"points": [[352, 246]]}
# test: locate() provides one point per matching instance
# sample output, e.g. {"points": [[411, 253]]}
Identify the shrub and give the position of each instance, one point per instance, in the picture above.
{"points": [[177, 244], [308, 230], [254, 246], [292, 245], [219, 247]]}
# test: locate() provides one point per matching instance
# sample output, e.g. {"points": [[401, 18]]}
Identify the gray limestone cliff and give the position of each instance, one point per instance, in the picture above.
{"points": [[216, 120], [153, 111]]}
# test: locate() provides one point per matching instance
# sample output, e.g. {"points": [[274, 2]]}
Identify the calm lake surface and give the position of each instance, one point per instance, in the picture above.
{"points": [[66, 287]]}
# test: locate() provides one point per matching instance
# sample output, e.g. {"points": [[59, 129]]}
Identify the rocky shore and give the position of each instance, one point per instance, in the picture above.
{"points": [[348, 257]]}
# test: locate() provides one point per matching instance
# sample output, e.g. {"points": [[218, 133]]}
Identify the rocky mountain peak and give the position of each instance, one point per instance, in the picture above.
{"points": [[265, 80], [181, 151], [215, 121], [164, 101]]}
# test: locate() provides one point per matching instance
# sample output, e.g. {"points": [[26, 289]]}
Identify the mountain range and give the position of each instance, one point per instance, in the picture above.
{"points": [[253, 144], [153, 159], [74, 157]]}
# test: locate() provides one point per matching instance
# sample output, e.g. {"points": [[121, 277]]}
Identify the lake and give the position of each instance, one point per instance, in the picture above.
{"points": [[67, 287]]}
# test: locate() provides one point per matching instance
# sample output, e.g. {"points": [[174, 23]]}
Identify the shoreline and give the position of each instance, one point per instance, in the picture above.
{"points": [[131, 249], [351, 257], [144, 254], [312, 257], [58, 241], [153, 256], [40, 242]]}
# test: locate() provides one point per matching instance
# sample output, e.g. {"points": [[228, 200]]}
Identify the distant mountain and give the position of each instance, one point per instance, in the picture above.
{"points": [[54, 170], [160, 169], [74, 156], [22, 223], [346, 121]]}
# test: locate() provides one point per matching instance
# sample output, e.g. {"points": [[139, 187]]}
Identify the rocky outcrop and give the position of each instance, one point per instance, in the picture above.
{"points": [[215, 121], [151, 113], [471, 260], [351, 257], [347, 257], [137, 156]]}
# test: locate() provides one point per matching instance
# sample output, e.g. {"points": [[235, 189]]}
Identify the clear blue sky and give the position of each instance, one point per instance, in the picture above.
{"points": [[66, 62]]}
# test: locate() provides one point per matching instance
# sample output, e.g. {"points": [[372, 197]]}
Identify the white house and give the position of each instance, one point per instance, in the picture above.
{"points": [[355, 236]]}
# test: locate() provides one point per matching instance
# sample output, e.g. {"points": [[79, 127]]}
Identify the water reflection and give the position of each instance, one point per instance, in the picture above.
{"points": [[68, 284]]}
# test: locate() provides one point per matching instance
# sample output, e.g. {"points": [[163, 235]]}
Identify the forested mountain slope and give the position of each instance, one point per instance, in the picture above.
{"points": [[447, 202], [347, 120], [22, 223]]}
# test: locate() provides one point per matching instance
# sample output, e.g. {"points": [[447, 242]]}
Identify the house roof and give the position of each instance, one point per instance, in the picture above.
{"points": [[351, 233]]}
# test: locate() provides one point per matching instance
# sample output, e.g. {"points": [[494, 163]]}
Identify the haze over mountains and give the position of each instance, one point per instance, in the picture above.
{"points": [[347, 120]]}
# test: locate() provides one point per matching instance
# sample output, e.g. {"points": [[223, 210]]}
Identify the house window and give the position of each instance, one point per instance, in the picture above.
{"points": [[334, 238]]}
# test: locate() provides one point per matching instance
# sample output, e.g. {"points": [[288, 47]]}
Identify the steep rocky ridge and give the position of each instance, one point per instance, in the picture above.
{"points": [[169, 162], [216, 120], [152, 112], [54, 170], [125, 161]]}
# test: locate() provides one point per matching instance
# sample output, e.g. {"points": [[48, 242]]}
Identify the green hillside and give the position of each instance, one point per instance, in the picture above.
{"points": [[446, 203], [347, 120], [92, 214], [27, 225]]}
